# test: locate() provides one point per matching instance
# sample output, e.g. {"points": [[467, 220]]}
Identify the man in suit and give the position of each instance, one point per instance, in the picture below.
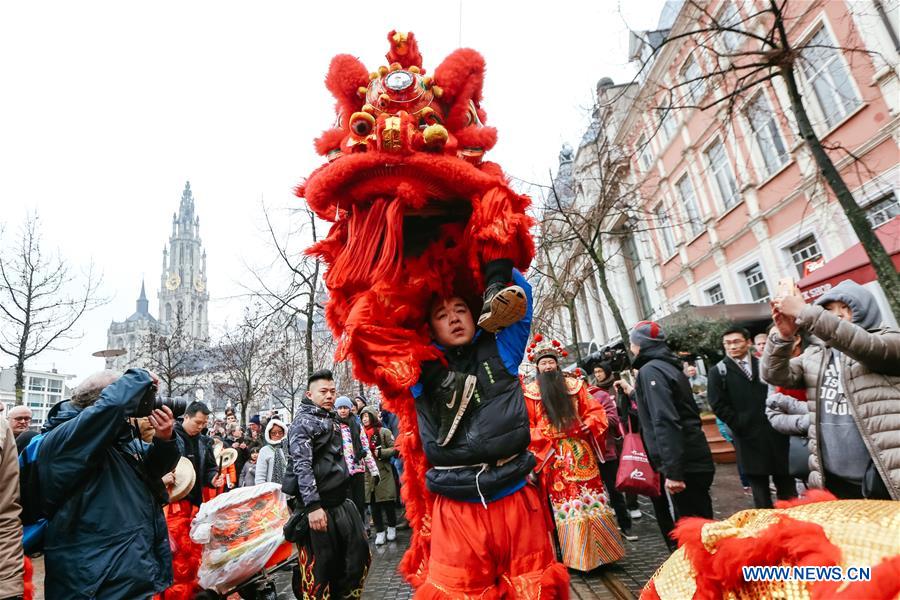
{"points": [[738, 397]]}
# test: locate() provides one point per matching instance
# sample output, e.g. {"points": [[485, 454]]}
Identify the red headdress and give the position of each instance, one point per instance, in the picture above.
{"points": [[416, 211], [542, 347]]}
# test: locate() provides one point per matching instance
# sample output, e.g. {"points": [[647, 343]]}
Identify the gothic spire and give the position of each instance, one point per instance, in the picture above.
{"points": [[143, 306], [186, 210]]}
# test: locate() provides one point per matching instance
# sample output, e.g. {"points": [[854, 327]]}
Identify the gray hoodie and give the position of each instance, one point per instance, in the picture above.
{"points": [[866, 313], [843, 451]]}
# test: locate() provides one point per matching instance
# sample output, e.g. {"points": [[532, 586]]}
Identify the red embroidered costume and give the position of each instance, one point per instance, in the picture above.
{"points": [[569, 472]]}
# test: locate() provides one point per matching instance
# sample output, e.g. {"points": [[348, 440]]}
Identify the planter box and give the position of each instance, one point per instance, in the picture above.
{"points": [[722, 450]]}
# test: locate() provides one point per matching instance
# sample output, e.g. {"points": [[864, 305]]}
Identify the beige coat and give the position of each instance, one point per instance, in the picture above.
{"points": [[11, 561], [870, 373]]}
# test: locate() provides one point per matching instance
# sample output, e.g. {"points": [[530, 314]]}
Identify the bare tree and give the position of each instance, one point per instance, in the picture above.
{"points": [[300, 299], [289, 366], [745, 51], [586, 212], [561, 274], [243, 358], [171, 355], [41, 299]]}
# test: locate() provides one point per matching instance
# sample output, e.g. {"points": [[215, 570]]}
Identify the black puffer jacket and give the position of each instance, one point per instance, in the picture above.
{"points": [[205, 466], [670, 422], [317, 457], [492, 431]]}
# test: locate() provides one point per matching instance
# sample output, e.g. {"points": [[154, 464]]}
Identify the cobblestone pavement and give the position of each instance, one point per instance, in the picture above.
{"points": [[645, 555], [629, 575]]}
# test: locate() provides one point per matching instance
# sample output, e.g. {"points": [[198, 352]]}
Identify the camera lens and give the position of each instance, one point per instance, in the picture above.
{"points": [[176, 405]]}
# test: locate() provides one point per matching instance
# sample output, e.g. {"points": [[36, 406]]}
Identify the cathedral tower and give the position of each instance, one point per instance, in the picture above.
{"points": [[182, 290]]}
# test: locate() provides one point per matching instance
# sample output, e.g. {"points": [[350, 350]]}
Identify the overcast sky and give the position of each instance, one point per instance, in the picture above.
{"points": [[109, 107]]}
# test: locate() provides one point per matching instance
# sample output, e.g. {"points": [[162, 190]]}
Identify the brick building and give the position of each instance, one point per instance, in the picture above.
{"points": [[727, 200]]}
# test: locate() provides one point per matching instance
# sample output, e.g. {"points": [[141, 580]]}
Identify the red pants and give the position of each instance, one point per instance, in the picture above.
{"points": [[503, 551], [185, 553]]}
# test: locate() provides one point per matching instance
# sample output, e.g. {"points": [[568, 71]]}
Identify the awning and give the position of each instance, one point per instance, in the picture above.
{"points": [[739, 314], [852, 264]]}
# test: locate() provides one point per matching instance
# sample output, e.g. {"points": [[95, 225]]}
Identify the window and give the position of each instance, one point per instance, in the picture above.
{"points": [[633, 260], [883, 209], [689, 201], [730, 17], [692, 82], [715, 295], [54, 385], [723, 175], [756, 284], [34, 399], [37, 384], [804, 252], [666, 121], [825, 71], [765, 131], [643, 150], [665, 230]]}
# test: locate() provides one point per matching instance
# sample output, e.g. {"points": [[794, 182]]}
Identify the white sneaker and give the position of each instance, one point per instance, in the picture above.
{"points": [[391, 534], [635, 514], [379, 538], [629, 536]]}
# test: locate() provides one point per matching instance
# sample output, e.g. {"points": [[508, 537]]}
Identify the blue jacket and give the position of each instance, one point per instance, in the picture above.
{"points": [[108, 537]]}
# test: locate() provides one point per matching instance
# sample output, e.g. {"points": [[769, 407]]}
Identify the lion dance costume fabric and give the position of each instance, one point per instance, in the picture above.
{"points": [[416, 211], [818, 531]]}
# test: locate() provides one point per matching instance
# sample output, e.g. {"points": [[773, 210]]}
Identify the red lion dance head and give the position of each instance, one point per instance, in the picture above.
{"points": [[416, 211]]}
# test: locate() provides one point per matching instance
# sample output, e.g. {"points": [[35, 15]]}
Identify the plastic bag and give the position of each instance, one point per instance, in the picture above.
{"points": [[239, 530]]}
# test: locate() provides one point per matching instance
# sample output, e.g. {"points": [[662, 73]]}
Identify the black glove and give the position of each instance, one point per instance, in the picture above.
{"points": [[375, 480]]}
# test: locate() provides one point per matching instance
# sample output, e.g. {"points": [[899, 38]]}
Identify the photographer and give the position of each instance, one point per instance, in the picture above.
{"points": [[851, 372], [107, 536]]}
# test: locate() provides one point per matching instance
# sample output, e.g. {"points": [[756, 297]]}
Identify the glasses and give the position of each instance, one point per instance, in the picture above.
{"points": [[21, 418]]}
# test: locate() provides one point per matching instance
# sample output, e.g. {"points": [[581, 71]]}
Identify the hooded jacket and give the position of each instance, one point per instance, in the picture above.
{"points": [[265, 462], [670, 421], [869, 364], [386, 490], [108, 537], [317, 457]]}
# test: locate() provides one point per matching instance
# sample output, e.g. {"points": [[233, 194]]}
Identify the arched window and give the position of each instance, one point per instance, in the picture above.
{"points": [[168, 311]]}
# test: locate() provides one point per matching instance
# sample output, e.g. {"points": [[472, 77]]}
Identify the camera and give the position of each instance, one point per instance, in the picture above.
{"points": [[150, 402], [615, 356]]}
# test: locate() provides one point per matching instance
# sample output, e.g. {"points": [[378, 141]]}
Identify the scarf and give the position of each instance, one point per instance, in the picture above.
{"points": [[607, 384], [374, 436], [278, 467], [355, 435]]}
